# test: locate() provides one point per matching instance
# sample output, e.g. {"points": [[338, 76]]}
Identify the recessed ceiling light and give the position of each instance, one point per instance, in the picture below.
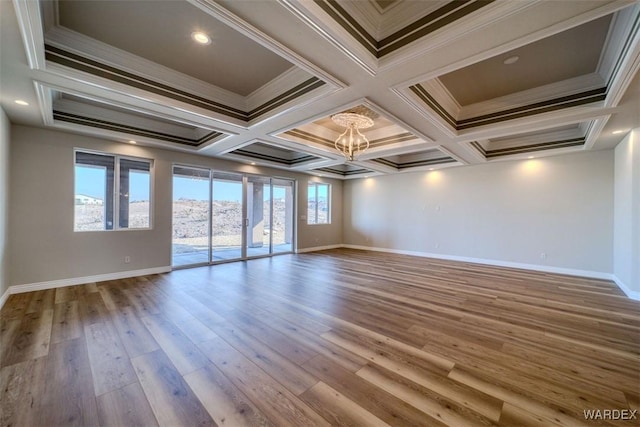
{"points": [[253, 163], [131, 141], [430, 169], [511, 60], [615, 132], [531, 157], [201, 37], [21, 102]]}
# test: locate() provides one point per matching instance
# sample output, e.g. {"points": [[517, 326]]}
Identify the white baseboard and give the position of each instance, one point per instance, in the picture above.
{"points": [[52, 284], [318, 248], [535, 267], [635, 295]]}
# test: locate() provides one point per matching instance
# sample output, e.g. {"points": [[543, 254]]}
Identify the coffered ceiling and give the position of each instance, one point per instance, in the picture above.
{"points": [[448, 83]]}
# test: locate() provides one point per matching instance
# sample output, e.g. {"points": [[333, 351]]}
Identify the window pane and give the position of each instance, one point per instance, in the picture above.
{"points": [[323, 204], [282, 222], [319, 204], [191, 202], [93, 192], [311, 204], [228, 222], [258, 230], [139, 199], [135, 190]]}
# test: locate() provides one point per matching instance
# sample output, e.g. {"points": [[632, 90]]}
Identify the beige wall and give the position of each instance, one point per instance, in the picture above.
{"points": [[510, 212], [42, 242], [626, 250], [505, 211], [4, 201]]}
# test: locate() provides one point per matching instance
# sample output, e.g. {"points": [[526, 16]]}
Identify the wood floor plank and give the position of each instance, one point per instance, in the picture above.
{"points": [[126, 406], [290, 375], [442, 408], [171, 399], [31, 339], [312, 340], [566, 386], [338, 409], [16, 305], [22, 385], [379, 402], [226, 404], [113, 294], [92, 308], [110, 364], [183, 353], [196, 331], [67, 397], [143, 305], [66, 322], [477, 401], [265, 333], [41, 300], [550, 414], [68, 293], [281, 406], [135, 337], [8, 331], [514, 416]]}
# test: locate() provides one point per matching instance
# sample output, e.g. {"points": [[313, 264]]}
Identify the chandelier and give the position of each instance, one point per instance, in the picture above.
{"points": [[351, 143]]}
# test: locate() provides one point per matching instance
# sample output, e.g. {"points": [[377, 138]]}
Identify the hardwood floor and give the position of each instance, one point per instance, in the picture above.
{"points": [[340, 337]]}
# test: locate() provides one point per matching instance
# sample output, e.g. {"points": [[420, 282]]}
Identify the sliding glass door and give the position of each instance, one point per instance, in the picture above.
{"points": [[270, 216], [191, 216], [259, 216], [228, 216], [281, 225], [225, 216]]}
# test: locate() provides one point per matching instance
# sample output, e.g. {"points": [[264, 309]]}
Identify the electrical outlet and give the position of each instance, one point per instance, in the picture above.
{"points": [[127, 259], [543, 255]]}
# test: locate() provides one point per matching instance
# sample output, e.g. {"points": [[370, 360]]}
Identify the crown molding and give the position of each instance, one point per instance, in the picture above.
{"points": [[30, 23], [629, 59], [395, 18], [532, 96], [542, 121], [366, 14], [205, 134]]}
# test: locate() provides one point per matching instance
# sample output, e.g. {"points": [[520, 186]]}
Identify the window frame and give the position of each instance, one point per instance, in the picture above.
{"points": [[116, 189], [315, 185]]}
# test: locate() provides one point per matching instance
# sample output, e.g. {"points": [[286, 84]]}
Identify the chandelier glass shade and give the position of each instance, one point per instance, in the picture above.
{"points": [[351, 143]]}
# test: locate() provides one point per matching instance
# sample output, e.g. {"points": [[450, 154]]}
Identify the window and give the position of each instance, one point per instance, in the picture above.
{"points": [[319, 203], [106, 200]]}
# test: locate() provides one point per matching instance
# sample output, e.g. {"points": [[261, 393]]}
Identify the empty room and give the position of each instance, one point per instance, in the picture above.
{"points": [[319, 212]]}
